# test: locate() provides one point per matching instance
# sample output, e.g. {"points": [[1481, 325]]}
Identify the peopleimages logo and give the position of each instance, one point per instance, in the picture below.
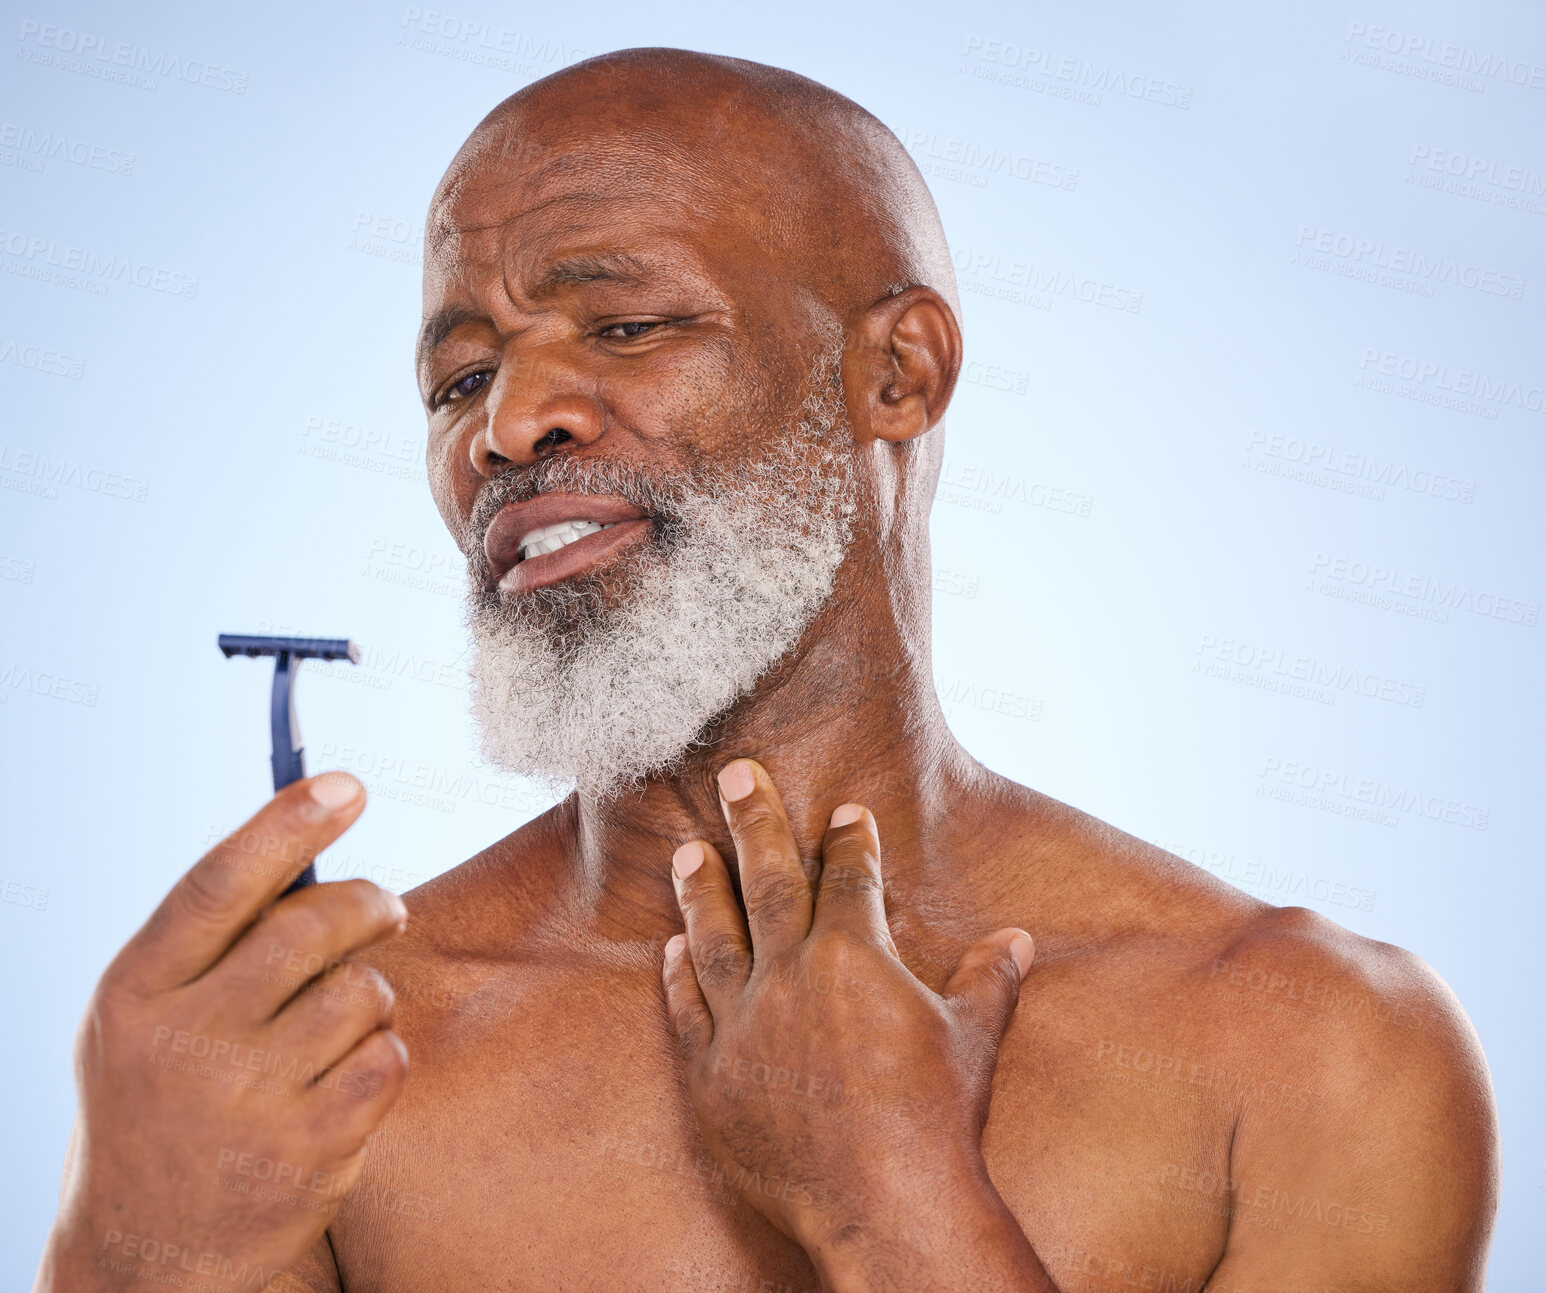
{"points": [[1274, 884], [1009, 279], [472, 41], [1446, 54], [1466, 166], [1388, 587], [94, 55], [1080, 77], [1367, 256], [1334, 790], [1459, 384], [954, 157], [41, 360], [24, 466], [1274, 669], [47, 145], [42, 257], [1351, 471]]}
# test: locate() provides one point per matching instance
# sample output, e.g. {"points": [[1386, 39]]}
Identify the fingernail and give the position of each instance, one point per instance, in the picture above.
{"points": [[333, 790], [687, 859], [674, 946], [1022, 949], [736, 782], [845, 813]]}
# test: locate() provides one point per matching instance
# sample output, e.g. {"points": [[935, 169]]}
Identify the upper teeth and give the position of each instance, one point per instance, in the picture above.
{"points": [[550, 538]]}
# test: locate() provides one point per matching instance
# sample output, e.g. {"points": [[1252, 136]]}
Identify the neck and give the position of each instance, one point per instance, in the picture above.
{"points": [[850, 716]]}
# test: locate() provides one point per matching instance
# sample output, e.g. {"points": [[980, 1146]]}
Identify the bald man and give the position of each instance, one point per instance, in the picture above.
{"points": [[790, 992]]}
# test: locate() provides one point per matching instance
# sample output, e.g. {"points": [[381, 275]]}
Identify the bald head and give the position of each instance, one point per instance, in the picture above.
{"points": [[827, 189]]}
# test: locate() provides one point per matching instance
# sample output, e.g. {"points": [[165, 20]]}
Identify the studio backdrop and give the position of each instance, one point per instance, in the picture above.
{"points": [[1238, 541]]}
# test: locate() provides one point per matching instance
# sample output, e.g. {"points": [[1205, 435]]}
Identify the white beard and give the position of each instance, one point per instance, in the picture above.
{"points": [[600, 698]]}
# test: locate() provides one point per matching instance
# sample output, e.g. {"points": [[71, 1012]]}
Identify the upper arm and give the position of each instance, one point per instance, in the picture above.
{"points": [[1391, 1183]]}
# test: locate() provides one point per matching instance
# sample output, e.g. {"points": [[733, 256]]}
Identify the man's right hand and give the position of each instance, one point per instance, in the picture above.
{"points": [[231, 1065]]}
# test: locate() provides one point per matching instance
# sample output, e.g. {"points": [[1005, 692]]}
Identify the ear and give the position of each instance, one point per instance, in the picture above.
{"points": [[900, 365]]}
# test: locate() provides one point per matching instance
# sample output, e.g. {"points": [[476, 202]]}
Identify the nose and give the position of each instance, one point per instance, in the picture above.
{"points": [[537, 404]]}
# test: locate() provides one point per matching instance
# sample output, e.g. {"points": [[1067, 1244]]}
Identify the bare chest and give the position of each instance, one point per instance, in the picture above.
{"points": [[554, 1148]]}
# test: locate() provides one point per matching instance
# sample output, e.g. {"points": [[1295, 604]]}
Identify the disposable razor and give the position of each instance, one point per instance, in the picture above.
{"points": [[289, 757]]}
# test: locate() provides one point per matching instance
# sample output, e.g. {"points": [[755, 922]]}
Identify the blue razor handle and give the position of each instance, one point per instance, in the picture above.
{"points": [[289, 757]]}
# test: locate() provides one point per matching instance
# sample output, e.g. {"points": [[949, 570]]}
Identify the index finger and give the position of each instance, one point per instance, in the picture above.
{"points": [[774, 886], [228, 888]]}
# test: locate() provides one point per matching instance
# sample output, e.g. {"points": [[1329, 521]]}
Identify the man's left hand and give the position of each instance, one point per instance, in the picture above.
{"points": [[842, 1097]]}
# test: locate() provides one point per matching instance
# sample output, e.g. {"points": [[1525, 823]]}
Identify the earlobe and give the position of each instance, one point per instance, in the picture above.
{"points": [[905, 357]]}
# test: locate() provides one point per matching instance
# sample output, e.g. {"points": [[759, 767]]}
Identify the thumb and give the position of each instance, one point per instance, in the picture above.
{"points": [[986, 982]]}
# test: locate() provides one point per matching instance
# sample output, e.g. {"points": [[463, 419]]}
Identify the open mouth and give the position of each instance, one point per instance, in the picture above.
{"points": [[554, 536]]}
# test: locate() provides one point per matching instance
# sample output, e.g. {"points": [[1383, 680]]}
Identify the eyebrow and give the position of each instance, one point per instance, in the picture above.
{"points": [[571, 271], [438, 327]]}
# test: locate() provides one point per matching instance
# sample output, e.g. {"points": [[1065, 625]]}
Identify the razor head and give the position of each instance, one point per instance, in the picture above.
{"points": [[307, 648]]}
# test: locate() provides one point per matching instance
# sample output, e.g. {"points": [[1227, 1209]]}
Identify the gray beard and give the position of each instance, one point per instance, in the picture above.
{"points": [[577, 692]]}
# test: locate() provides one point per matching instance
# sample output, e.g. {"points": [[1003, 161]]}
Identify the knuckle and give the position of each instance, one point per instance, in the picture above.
{"points": [[206, 895], [863, 944], [853, 849], [776, 893], [852, 882], [108, 1024], [115, 991], [688, 1022], [998, 971], [690, 1038], [298, 926], [756, 823], [264, 845], [717, 956], [851, 953]]}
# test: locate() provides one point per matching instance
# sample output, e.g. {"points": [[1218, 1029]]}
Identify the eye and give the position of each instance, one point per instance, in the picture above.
{"points": [[629, 330], [464, 387]]}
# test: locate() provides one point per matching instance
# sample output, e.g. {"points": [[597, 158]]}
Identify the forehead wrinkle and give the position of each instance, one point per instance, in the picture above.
{"points": [[572, 239], [642, 164], [590, 267], [446, 226], [539, 156]]}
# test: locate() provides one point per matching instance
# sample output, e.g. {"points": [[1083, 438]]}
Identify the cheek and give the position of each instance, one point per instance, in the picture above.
{"points": [[703, 408], [452, 482]]}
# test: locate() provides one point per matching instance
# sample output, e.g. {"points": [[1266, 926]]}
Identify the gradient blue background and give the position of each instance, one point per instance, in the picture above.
{"points": [[1115, 511]]}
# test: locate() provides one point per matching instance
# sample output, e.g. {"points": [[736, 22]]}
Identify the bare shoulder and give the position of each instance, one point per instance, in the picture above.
{"points": [[466, 928], [1293, 964], [1283, 981], [1393, 1177], [1371, 1025], [472, 905], [1361, 1126]]}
